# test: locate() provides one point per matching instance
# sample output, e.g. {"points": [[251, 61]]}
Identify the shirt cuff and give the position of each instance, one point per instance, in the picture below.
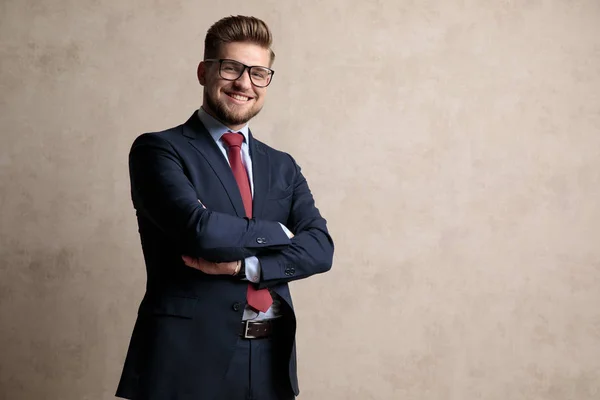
{"points": [[252, 269], [287, 231]]}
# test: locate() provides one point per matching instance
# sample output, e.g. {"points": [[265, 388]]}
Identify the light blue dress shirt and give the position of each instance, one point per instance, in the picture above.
{"points": [[216, 130]]}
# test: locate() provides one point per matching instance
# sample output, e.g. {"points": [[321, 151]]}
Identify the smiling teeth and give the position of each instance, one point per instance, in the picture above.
{"points": [[238, 97]]}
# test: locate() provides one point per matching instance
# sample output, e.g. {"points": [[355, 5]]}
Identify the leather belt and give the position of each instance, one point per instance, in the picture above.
{"points": [[256, 329]]}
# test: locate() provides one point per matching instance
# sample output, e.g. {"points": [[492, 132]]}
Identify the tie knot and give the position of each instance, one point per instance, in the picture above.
{"points": [[233, 139]]}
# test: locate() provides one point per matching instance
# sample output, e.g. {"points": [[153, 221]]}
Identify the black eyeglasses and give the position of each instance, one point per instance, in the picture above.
{"points": [[232, 70]]}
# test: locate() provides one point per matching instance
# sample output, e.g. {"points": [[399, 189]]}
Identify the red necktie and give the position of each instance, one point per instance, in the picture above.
{"points": [[258, 299]]}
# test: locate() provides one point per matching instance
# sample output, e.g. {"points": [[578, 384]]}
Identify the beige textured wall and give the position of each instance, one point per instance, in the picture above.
{"points": [[454, 147]]}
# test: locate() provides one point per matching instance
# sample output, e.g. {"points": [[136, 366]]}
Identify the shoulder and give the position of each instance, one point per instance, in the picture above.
{"points": [[274, 154], [168, 137]]}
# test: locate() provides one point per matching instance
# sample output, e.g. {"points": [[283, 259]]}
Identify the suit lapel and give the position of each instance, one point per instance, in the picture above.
{"points": [[201, 140], [260, 175]]}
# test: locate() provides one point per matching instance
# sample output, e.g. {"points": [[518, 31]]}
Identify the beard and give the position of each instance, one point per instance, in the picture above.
{"points": [[228, 117]]}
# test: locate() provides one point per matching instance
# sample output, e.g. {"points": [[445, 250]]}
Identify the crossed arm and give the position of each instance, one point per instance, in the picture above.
{"points": [[232, 268], [215, 242]]}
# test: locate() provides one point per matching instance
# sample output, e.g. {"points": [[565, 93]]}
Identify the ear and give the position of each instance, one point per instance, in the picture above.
{"points": [[202, 73]]}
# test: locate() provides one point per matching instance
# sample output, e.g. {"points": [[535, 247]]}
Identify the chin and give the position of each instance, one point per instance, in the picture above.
{"points": [[235, 119]]}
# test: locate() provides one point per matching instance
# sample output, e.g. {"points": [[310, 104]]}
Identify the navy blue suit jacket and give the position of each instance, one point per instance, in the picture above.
{"points": [[188, 322]]}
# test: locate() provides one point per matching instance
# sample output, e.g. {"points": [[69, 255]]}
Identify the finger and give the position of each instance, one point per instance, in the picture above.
{"points": [[189, 261]]}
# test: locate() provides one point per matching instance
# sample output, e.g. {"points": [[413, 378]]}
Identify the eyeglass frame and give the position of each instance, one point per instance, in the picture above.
{"points": [[246, 67]]}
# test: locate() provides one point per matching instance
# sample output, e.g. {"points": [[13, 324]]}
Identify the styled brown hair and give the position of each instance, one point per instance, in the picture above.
{"points": [[237, 28]]}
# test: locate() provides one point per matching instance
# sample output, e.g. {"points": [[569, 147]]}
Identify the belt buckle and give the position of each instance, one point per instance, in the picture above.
{"points": [[246, 335]]}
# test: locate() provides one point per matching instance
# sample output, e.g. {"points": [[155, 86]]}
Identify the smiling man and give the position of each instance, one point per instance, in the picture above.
{"points": [[225, 223]]}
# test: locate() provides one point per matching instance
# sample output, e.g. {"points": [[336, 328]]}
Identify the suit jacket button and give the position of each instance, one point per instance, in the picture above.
{"points": [[236, 306]]}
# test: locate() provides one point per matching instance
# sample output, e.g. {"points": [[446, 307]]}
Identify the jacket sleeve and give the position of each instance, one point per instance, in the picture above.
{"points": [[162, 192], [311, 249]]}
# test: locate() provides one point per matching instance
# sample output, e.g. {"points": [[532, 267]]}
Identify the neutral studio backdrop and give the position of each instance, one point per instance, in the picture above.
{"points": [[453, 146]]}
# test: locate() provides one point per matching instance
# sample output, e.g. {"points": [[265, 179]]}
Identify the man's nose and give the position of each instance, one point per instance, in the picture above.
{"points": [[244, 80]]}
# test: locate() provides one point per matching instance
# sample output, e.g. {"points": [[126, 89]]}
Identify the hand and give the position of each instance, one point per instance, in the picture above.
{"points": [[211, 268]]}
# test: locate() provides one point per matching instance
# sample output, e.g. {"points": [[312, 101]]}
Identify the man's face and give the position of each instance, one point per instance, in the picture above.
{"points": [[233, 103]]}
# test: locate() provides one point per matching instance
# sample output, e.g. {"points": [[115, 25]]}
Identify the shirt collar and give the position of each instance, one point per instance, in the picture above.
{"points": [[216, 127]]}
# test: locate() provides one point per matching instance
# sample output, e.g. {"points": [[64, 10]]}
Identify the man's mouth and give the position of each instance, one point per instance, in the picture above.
{"points": [[238, 97]]}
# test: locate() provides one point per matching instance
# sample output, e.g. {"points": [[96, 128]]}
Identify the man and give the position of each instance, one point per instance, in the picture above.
{"points": [[225, 223]]}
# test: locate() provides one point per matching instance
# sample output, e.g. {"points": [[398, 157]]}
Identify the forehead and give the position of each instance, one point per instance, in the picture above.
{"points": [[246, 53]]}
